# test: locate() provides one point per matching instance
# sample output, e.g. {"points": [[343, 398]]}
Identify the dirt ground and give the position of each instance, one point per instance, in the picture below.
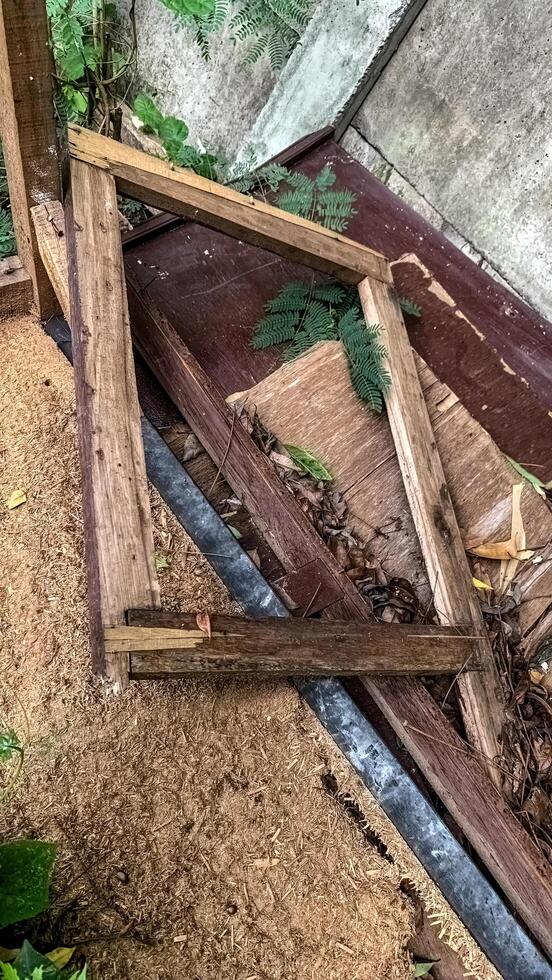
{"points": [[196, 837]]}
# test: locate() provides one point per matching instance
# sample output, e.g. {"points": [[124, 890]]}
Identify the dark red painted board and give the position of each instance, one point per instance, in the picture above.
{"points": [[213, 290]]}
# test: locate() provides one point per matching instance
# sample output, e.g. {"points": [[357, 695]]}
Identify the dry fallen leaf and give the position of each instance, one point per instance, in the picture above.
{"points": [[15, 499], [203, 621], [482, 585]]}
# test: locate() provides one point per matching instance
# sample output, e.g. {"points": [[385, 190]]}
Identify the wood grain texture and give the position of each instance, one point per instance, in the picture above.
{"points": [[28, 131], [16, 288], [310, 402], [169, 644], [481, 700], [118, 533], [49, 225], [157, 183], [445, 760]]}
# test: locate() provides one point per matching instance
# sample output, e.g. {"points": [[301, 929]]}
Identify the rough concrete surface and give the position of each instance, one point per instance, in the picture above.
{"points": [[341, 42], [463, 112], [219, 99], [369, 157]]}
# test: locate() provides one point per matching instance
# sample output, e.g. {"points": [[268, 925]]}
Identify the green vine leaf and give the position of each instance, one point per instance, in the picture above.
{"points": [[309, 463], [149, 115]]}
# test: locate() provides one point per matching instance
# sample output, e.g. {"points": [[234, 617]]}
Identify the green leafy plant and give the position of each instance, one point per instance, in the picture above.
{"points": [[173, 133], [305, 315], [25, 870], [31, 965], [302, 315], [93, 58], [315, 198], [7, 237], [264, 27]]}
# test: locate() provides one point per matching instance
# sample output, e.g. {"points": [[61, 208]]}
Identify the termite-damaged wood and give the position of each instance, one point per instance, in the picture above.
{"points": [[28, 129], [455, 774], [117, 520], [481, 699], [171, 644], [155, 182]]}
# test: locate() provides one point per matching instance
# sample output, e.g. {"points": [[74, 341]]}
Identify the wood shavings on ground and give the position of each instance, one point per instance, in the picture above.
{"points": [[197, 839]]}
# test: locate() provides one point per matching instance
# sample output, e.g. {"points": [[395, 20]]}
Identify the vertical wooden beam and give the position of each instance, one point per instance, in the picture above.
{"points": [[434, 518], [117, 519], [27, 128]]}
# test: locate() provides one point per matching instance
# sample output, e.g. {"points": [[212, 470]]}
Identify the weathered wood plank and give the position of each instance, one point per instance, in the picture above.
{"points": [[49, 224], [118, 533], [446, 761], [426, 488], [27, 127], [310, 402], [171, 644], [157, 183], [16, 288]]}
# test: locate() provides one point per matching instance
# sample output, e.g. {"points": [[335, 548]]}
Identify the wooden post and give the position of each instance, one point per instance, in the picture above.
{"points": [[434, 518], [117, 520], [27, 128]]}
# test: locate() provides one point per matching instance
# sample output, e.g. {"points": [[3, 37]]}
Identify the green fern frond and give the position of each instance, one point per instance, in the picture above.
{"points": [[306, 315], [275, 329], [329, 292], [407, 306], [300, 346], [257, 49], [294, 296], [300, 181], [325, 179], [297, 202], [278, 48]]}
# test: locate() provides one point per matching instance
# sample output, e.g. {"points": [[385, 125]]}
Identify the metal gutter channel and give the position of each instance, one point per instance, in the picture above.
{"points": [[469, 893]]}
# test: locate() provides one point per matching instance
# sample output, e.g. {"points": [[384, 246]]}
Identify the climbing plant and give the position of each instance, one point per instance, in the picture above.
{"points": [[302, 315], [94, 62]]}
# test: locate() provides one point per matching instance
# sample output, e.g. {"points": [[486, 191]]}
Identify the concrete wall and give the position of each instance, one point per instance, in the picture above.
{"points": [[232, 107], [462, 116]]}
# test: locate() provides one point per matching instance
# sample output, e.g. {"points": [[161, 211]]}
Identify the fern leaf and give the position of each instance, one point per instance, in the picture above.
{"points": [[300, 181], [407, 306], [294, 296], [329, 292], [257, 49], [273, 174], [277, 50], [325, 179], [297, 202], [300, 346], [275, 329]]}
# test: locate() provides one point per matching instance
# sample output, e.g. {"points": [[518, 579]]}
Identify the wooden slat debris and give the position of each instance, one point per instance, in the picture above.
{"points": [[172, 644], [117, 521], [481, 699]]}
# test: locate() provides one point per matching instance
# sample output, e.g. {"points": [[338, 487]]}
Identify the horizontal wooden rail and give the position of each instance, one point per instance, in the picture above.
{"points": [[157, 183], [171, 644]]}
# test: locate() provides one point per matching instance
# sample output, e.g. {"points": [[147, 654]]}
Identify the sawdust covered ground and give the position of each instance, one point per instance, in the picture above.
{"points": [[196, 839]]}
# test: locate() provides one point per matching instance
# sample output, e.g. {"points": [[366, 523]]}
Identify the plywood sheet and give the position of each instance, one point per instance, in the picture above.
{"points": [[310, 402]]}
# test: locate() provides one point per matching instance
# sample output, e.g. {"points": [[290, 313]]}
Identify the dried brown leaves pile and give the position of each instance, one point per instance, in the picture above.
{"points": [[391, 599]]}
